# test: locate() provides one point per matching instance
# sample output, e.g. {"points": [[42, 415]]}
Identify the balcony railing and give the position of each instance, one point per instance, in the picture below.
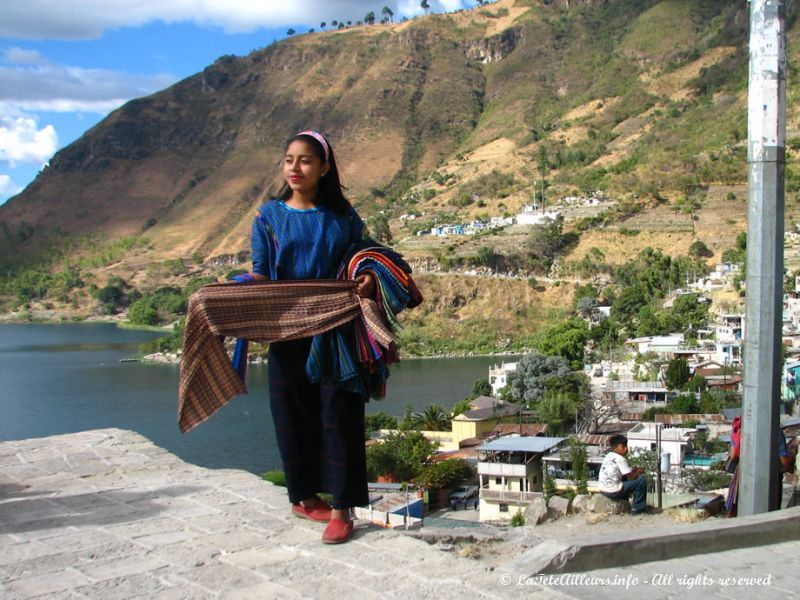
{"points": [[500, 469], [508, 495], [636, 386]]}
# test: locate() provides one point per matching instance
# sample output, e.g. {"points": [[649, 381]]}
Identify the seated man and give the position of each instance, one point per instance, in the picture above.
{"points": [[618, 481]]}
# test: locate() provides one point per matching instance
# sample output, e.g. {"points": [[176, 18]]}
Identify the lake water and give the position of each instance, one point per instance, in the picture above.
{"points": [[64, 378]]}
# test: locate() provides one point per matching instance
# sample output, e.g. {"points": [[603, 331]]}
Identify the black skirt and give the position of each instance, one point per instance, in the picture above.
{"points": [[320, 430]]}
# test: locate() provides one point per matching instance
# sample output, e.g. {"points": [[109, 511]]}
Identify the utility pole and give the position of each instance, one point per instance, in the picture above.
{"points": [[658, 466], [766, 156]]}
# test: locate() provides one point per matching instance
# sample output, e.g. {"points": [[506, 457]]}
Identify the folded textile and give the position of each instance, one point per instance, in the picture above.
{"points": [[354, 358], [266, 312]]}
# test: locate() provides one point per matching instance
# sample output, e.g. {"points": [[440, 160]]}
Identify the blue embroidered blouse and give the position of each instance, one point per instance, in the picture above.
{"points": [[290, 243]]}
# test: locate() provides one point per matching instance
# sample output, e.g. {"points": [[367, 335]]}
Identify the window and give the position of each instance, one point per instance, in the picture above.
{"points": [[504, 508], [498, 480]]}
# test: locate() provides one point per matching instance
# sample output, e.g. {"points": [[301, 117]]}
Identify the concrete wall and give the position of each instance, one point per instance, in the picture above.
{"points": [[463, 430], [490, 510], [384, 519]]}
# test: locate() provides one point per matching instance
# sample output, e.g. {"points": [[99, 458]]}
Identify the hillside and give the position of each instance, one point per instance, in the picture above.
{"points": [[447, 118]]}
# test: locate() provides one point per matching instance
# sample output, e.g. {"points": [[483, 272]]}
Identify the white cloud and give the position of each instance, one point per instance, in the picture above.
{"points": [[21, 141], [8, 188], [60, 88], [84, 19], [22, 56]]}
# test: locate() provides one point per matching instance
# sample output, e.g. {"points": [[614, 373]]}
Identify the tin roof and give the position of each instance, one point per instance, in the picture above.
{"points": [[522, 443], [520, 428]]}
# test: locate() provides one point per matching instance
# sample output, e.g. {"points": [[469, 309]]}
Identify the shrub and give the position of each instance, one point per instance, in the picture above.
{"points": [[710, 479], [549, 487], [142, 312], [402, 455], [276, 477], [518, 519], [698, 249], [379, 420], [580, 465], [444, 474]]}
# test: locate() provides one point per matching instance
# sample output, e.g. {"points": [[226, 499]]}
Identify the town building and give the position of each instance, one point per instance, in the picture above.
{"points": [[498, 376], [510, 473], [637, 392], [481, 419], [675, 441], [531, 215]]}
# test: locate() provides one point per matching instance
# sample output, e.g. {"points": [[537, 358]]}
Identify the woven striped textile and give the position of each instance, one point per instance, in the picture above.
{"points": [[357, 361], [266, 312]]}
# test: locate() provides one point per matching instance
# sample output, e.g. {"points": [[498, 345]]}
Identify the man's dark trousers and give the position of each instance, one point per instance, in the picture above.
{"points": [[637, 487]]}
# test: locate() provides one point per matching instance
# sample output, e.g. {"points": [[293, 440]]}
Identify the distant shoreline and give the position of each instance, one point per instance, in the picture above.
{"points": [[173, 358], [167, 357]]}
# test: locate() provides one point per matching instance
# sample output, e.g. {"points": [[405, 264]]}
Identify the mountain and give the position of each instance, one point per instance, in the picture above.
{"points": [[445, 118]]}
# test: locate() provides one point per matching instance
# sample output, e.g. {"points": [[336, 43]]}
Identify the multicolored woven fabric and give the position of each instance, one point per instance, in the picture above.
{"points": [[276, 311], [262, 312], [356, 359]]}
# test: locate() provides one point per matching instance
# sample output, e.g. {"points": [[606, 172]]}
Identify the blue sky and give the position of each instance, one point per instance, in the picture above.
{"points": [[65, 65]]}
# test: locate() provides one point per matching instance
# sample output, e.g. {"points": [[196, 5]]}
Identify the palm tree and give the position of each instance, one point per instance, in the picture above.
{"points": [[322, 25], [425, 6], [369, 19], [387, 12], [434, 418], [290, 32]]}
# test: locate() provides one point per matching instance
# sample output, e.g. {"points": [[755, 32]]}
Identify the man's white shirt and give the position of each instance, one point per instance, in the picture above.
{"points": [[611, 471]]}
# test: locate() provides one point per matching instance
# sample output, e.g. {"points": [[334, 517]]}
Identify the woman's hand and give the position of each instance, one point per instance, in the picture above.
{"points": [[366, 285]]}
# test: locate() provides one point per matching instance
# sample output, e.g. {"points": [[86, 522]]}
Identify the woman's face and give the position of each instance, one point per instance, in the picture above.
{"points": [[302, 168]]}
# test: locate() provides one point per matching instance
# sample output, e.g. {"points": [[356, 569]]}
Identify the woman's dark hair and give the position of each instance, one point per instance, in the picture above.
{"points": [[331, 194]]}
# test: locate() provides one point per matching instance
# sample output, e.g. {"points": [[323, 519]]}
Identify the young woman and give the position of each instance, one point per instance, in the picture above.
{"points": [[304, 234]]}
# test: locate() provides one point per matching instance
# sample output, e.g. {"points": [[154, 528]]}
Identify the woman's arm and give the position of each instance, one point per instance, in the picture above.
{"points": [[262, 248]]}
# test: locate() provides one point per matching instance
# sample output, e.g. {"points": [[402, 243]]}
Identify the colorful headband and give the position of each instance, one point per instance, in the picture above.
{"points": [[321, 139]]}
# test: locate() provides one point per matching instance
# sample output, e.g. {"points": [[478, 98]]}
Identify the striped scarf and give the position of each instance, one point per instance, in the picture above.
{"points": [[277, 311]]}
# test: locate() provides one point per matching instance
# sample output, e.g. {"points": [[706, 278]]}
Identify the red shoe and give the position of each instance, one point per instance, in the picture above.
{"points": [[319, 512], [337, 531]]}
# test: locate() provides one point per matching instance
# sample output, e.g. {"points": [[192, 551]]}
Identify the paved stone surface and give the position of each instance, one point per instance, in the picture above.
{"points": [[765, 572], [107, 514]]}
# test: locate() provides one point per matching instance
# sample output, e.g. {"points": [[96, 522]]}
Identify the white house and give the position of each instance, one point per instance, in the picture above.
{"points": [[500, 221], [728, 353], [666, 344], [498, 376], [661, 344], [674, 440], [730, 327], [510, 473], [640, 344], [530, 215]]}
